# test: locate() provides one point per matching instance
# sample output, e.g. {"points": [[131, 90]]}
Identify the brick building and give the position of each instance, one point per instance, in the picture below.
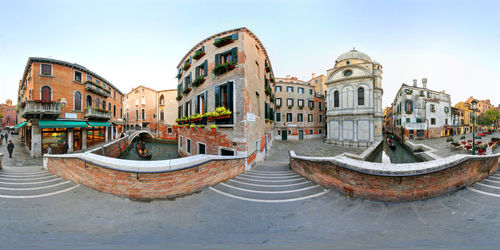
{"points": [[63, 102], [8, 111], [421, 113], [148, 109], [232, 70], [300, 110], [388, 120]]}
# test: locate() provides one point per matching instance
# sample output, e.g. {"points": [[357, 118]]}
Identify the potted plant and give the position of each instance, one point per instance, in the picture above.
{"points": [[409, 112], [178, 98], [301, 107], [186, 66], [192, 126], [200, 127], [223, 41], [278, 106], [187, 90], [198, 54], [267, 120], [213, 127], [198, 81], [223, 68], [268, 68], [223, 113], [178, 76], [290, 106]]}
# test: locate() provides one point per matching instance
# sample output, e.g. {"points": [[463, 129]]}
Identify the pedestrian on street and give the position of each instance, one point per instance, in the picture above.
{"points": [[6, 137], [10, 148], [65, 148], [1, 140]]}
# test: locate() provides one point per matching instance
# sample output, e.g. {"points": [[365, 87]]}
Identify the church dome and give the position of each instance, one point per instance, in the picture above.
{"points": [[354, 54]]}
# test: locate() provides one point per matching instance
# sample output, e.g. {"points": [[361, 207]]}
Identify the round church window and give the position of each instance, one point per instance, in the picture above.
{"points": [[348, 72]]}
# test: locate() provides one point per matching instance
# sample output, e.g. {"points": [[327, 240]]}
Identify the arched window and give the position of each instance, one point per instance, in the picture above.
{"points": [[77, 101], [30, 96], [103, 104], [97, 103], [162, 100], [114, 110], [109, 106], [121, 113], [89, 101], [361, 96], [46, 94], [162, 115], [336, 99]]}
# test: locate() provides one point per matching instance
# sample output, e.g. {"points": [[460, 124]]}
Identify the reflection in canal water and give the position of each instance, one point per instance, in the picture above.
{"points": [[397, 155], [160, 151]]}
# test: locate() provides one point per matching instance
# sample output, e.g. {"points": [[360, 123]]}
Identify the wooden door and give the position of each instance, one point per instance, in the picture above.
{"points": [[46, 93]]}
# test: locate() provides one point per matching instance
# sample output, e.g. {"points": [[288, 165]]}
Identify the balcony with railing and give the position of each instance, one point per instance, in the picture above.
{"points": [[97, 89], [97, 114], [40, 109]]}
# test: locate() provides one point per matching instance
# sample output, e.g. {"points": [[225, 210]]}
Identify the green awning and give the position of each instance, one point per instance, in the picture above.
{"points": [[99, 124], [20, 125], [62, 124]]}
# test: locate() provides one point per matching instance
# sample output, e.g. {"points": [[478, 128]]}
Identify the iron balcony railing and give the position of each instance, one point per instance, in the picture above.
{"points": [[93, 87], [97, 114], [33, 109]]}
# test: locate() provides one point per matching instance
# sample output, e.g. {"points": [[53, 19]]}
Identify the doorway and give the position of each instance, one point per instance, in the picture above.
{"points": [[283, 134], [301, 134]]}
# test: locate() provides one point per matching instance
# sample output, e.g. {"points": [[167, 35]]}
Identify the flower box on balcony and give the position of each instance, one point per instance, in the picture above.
{"points": [[268, 68], [186, 66], [223, 41], [187, 90], [223, 68], [198, 81], [278, 106], [198, 54], [290, 107], [409, 112], [178, 76], [268, 90], [301, 107], [179, 97], [222, 117]]}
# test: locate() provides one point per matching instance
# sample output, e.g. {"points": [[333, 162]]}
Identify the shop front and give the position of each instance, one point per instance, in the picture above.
{"points": [[96, 133], [55, 133]]}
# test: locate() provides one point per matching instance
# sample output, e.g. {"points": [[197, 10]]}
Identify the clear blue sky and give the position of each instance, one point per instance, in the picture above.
{"points": [[455, 44]]}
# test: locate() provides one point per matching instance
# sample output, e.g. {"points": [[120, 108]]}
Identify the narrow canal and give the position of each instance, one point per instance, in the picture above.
{"points": [[160, 151], [397, 155]]}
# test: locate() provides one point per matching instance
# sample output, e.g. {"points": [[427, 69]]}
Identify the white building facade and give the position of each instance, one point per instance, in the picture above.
{"points": [[354, 100], [421, 113]]}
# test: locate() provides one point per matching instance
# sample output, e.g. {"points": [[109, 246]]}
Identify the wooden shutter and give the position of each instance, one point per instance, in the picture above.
{"points": [[217, 96], [189, 83], [217, 59], [266, 105], [196, 106], [234, 55], [196, 74], [229, 100], [205, 65], [205, 101]]}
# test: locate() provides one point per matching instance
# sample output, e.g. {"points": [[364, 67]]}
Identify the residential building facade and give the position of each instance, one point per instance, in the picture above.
{"points": [[482, 105], [354, 98], [300, 110], [421, 113], [318, 82], [61, 102], [9, 114], [227, 81], [141, 108], [388, 120], [167, 113]]}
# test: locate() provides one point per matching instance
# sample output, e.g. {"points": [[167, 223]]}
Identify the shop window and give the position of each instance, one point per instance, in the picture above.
{"points": [[311, 131], [320, 131]]}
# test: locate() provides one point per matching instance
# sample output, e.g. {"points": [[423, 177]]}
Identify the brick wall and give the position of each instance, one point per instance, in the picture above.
{"points": [[145, 185], [113, 149], [396, 188], [212, 141]]}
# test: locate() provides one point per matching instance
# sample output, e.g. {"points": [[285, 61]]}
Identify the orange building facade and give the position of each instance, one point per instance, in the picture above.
{"points": [[62, 102]]}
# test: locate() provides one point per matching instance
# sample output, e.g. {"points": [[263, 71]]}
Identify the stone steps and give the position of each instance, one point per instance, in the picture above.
{"points": [[31, 182], [269, 182], [489, 186]]}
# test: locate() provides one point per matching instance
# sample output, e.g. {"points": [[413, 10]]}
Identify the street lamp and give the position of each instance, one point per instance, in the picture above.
{"points": [[473, 118]]}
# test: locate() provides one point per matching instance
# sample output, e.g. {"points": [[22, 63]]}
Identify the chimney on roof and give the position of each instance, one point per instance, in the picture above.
{"points": [[287, 77], [313, 75], [414, 82], [424, 83]]}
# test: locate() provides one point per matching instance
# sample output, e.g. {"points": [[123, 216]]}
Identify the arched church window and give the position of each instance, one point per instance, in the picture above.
{"points": [[347, 72], [361, 96], [336, 99]]}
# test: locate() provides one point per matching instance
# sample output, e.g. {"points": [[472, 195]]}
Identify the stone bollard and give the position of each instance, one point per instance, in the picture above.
{"points": [[1, 156]]}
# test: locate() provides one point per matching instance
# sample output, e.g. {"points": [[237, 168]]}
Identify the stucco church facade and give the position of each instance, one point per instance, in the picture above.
{"points": [[354, 100]]}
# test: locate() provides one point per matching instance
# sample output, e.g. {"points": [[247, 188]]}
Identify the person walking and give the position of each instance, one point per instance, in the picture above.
{"points": [[65, 148], [1, 139], [10, 148], [6, 137]]}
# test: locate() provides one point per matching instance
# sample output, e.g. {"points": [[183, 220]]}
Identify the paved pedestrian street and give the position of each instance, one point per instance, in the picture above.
{"points": [[266, 207]]}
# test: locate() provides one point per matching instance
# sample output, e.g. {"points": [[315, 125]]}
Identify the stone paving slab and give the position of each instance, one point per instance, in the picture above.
{"points": [[20, 157]]}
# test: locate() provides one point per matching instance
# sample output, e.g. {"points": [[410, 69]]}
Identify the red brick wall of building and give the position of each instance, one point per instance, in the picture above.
{"points": [[395, 188], [145, 185], [212, 140]]}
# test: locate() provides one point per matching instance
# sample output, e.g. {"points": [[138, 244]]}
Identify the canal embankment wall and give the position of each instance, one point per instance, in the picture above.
{"points": [[143, 179], [391, 182]]}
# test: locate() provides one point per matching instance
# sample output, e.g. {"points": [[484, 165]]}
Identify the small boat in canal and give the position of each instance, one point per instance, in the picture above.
{"points": [[142, 150], [391, 143]]}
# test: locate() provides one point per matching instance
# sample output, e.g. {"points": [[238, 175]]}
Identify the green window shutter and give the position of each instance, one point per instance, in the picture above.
{"points": [[196, 106], [266, 110], [217, 59], [229, 100], [205, 65], [205, 101], [196, 72], [234, 55], [217, 96], [271, 116], [203, 48], [234, 36], [190, 79]]}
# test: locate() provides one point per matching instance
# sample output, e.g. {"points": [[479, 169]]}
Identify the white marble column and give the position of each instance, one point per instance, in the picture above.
{"points": [[36, 140], [106, 134], [70, 140], [84, 138]]}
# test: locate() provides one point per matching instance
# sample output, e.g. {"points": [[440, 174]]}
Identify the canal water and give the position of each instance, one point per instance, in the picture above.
{"points": [[160, 151], [398, 155]]}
